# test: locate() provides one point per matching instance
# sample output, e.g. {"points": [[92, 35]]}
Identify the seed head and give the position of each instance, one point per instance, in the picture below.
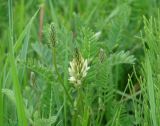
{"points": [[52, 36]]}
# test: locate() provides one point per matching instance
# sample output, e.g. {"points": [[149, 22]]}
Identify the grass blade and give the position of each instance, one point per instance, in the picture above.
{"points": [[22, 121]]}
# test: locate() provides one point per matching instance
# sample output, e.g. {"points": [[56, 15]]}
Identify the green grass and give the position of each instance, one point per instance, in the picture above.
{"points": [[1, 100], [14, 73], [79, 63]]}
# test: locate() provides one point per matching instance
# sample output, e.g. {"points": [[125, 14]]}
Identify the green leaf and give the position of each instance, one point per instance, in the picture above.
{"points": [[121, 57]]}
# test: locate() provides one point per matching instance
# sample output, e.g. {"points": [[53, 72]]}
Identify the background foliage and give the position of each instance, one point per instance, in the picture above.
{"points": [[120, 38]]}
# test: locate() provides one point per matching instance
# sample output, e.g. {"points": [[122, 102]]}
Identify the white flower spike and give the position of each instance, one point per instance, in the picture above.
{"points": [[78, 69]]}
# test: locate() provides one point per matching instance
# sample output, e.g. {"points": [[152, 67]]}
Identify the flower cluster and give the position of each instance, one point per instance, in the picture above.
{"points": [[52, 36], [78, 69]]}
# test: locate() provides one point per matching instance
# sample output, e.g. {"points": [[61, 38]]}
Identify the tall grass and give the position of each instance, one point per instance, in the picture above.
{"points": [[14, 73], [1, 100], [151, 70], [79, 63]]}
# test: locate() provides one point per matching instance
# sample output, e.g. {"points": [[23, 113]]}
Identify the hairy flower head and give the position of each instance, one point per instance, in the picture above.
{"points": [[78, 69], [52, 36]]}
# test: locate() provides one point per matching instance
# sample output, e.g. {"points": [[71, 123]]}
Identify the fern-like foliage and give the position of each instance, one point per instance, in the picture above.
{"points": [[36, 66], [87, 42], [121, 57]]}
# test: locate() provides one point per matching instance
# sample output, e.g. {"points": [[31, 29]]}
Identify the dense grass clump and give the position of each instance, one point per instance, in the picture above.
{"points": [[79, 63]]}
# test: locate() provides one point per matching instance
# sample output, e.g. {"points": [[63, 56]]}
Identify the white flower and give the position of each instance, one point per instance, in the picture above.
{"points": [[78, 70]]}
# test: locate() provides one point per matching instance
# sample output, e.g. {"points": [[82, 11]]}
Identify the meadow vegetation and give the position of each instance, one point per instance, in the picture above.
{"points": [[79, 63]]}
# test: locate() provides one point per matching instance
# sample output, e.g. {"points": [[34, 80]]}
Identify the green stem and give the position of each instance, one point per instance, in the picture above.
{"points": [[77, 107], [1, 102], [71, 9], [59, 76]]}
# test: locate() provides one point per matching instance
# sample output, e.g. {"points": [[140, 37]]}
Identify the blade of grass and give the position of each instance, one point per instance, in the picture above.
{"points": [[1, 101], [1, 84], [24, 50], [19, 41], [71, 5], [53, 13], [150, 88], [22, 121]]}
